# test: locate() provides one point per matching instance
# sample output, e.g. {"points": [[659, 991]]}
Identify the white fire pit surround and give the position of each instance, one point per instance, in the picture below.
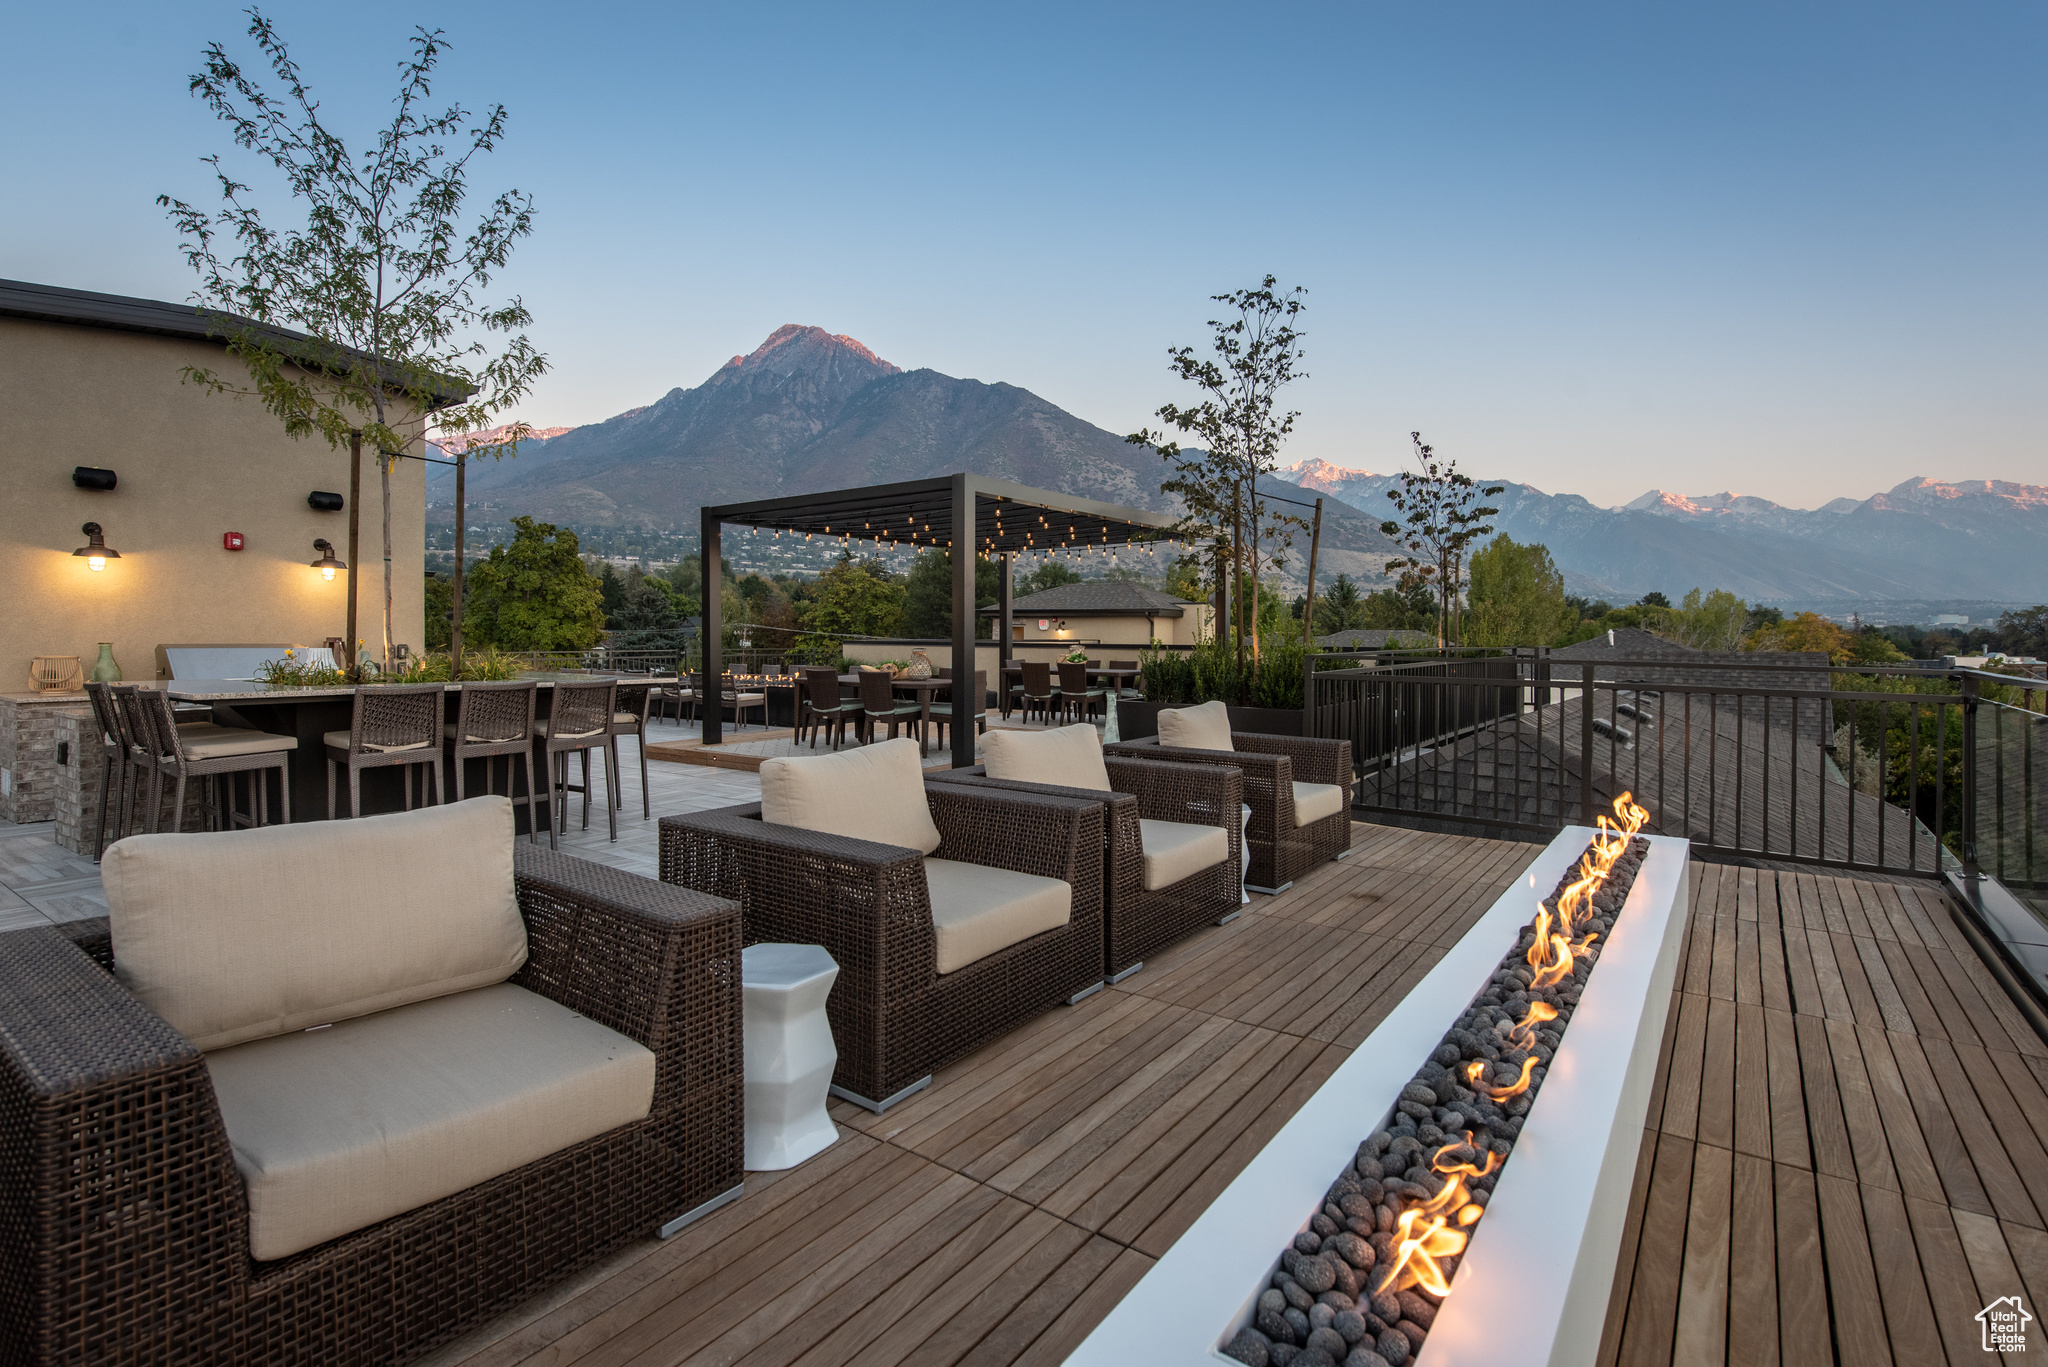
{"points": [[1532, 1287]]}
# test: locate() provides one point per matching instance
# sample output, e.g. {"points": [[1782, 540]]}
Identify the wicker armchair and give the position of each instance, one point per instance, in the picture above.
{"points": [[1272, 765], [1138, 923], [128, 1224], [895, 1018]]}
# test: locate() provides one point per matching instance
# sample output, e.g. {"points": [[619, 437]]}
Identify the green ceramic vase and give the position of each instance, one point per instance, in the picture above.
{"points": [[104, 670]]}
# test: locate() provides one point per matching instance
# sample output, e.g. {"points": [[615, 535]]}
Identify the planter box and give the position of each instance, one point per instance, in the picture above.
{"points": [[1137, 720], [1561, 1201]]}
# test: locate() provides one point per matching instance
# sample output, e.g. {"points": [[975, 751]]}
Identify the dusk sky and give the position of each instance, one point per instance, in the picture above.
{"points": [[1792, 250]]}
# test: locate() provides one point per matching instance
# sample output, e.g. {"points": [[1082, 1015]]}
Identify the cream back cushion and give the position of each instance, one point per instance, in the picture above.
{"points": [[1196, 728], [873, 793], [1067, 757], [240, 935]]}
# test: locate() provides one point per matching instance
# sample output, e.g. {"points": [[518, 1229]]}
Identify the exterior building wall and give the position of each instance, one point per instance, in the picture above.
{"points": [[191, 466], [1173, 631]]}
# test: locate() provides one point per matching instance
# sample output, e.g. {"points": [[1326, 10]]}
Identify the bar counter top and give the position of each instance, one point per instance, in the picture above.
{"points": [[248, 692]]}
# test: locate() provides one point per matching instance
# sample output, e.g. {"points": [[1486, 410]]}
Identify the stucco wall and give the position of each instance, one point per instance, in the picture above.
{"points": [[192, 466], [1173, 631]]}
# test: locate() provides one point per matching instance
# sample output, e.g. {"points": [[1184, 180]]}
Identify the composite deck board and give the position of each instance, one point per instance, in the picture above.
{"points": [[1846, 1154]]}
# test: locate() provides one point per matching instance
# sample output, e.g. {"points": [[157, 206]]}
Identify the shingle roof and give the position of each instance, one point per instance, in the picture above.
{"points": [[1098, 597], [1626, 643], [1360, 639]]}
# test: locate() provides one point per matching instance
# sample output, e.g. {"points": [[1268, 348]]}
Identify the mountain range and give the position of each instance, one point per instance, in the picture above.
{"points": [[808, 410]]}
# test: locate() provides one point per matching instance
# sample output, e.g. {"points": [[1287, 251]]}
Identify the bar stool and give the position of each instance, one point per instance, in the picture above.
{"points": [[579, 721], [393, 725], [630, 719], [204, 751], [114, 766], [493, 719]]}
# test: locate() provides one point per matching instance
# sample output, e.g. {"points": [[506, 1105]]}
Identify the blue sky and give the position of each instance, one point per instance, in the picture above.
{"points": [[1793, 250]]}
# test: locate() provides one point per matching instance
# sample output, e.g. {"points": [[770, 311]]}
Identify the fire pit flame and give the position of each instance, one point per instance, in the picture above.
{"points": [[1477, 1067], [1523, 1035]]}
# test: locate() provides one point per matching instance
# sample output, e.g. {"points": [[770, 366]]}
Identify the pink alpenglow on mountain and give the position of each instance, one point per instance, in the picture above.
{"points": [[462, 441]]}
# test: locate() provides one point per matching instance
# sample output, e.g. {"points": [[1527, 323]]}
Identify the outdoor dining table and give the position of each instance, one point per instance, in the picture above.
{"points": [[923, 688], [309, 713], [1121, 677]]}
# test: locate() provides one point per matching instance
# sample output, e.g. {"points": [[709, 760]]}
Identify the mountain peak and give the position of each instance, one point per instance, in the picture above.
{"points": [[1321, 475], [799, 346]]}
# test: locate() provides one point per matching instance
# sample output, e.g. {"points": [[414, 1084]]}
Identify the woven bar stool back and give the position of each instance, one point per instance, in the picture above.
{"points": [[493, 719], [579, 721], [630, 719], [114, 765], [393, 725], [822, 705]]}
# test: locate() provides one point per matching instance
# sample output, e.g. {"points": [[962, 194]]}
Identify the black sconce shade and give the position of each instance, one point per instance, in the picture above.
{"points": [[92, 477], [324, 502], [95, 550], [326, 564]]}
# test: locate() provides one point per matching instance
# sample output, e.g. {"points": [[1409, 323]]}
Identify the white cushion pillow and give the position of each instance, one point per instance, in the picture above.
{"points": [[340, 1128], [239, 935], [1196, 728], [874, 793], [1314, 801], [1175, 850], [977, 910], [1066, 757]]}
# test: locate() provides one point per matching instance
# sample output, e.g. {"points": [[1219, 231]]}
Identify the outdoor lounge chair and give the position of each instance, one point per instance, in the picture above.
{"points": [[937, 956], [1298, 787], [1171, 832], [231, 1112]]}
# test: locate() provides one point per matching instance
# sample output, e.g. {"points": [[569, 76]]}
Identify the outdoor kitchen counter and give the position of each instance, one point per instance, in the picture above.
{"points": [[309, 713]]}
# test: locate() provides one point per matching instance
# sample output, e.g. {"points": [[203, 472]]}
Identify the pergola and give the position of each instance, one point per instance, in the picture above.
{"points": [[1007, 520]]}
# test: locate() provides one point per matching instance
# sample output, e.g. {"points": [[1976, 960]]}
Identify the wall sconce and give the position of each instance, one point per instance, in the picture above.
{"points": [[326, 564], [96, 550], [93, 477]]}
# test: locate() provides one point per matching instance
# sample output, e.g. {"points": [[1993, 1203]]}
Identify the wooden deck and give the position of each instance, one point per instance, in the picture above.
{"points": [[997, 1217], [1845, 1158]]}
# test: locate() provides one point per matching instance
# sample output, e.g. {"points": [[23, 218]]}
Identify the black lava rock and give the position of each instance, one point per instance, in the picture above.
{"points": [[1387, 1307], [1331, 1342], [1395, 1347], [1414, 1308], [1284, 1353], [1273, 1325], [1297, 1324], [1350, 1325], [1314, 1357], [1250, 1347], [1362, 1356], [1308, 1241]]}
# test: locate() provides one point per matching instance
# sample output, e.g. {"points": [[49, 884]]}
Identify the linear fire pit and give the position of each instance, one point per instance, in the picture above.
{"points": [[1542, 1258]]}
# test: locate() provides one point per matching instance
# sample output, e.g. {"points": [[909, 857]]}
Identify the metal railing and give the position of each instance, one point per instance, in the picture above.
{"points": [[1878, 768]]}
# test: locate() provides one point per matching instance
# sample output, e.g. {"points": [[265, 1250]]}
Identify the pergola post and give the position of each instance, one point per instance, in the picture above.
{"points": [[712, 704], [1005, 593], [965, 543]]}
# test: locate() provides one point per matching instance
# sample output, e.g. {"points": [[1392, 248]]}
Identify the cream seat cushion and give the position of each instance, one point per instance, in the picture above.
{"points": [[1314, 801], [229, 740], [977, 910], [873, 793], [1196, 728], [540, 728], [338, 740], [1175, 850], [215, 932], [1066, 757], [338, 1128]]}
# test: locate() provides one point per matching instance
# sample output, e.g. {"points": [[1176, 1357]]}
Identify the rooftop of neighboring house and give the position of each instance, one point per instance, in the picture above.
{"points": [[1097, 598]]}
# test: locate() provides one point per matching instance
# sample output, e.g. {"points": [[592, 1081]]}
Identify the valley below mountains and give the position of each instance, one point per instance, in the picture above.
{"points": [[809, 411]]}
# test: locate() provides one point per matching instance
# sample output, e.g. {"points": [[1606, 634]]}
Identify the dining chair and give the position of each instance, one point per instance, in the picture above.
{"points": [[731, 695], [579, 721], [878, 703], [1077, 699], [209, 752], [391, 726], [114, 766], [942, 712], [822, 706], [1123, 690], [1038, 690], [493, 719]]}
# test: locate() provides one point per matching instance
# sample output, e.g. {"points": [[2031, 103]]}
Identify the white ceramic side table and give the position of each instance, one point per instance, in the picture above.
{"points": [[789, 1053]]}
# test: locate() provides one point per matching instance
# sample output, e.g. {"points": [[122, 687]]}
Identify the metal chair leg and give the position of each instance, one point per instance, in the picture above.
{"points": [[646, 798]]}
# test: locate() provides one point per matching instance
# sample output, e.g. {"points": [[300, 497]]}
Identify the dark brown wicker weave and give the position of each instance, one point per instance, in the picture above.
{"points": [[878, 704], [895, 1020], [1039, 691], [1281, 851], [391, 725], [493, 719], [124, 1225], [629, 718], [114, 766], [579, 720], [1137, 923], [822, 706]]}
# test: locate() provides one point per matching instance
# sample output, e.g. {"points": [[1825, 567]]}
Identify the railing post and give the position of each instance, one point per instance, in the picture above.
{"points": [[1972, 690], [1586, 746]]}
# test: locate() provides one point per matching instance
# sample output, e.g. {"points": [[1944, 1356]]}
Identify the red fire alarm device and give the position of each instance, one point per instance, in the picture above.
{"points": [[231, 540]]}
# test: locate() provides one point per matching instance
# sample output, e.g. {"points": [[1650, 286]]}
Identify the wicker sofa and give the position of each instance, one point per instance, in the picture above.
{"points": [[852, 872], [143, 1176], [1281, 775], [1159, 885]]}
